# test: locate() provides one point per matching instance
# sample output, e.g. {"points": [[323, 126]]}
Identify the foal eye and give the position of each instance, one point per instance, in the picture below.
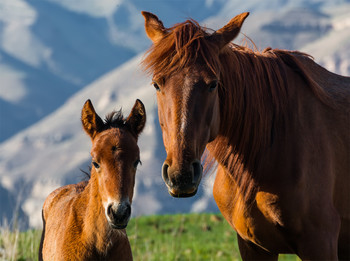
{"points": [[213, 85], [156, 86], [96, 165], [136, 163]]}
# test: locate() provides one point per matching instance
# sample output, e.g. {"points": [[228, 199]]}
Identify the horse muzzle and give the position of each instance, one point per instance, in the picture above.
{"points": [[184, 183], [118, 214], [182, 193]]}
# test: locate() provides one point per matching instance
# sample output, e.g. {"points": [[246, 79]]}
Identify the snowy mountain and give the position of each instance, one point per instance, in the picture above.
{"points": [[50, 153], [50, 49], [55, 54]]}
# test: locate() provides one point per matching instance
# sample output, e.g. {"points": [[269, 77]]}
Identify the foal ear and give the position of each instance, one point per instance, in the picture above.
{"points": [[229, 32], [154, 27], [137, 117], [92, 123]]}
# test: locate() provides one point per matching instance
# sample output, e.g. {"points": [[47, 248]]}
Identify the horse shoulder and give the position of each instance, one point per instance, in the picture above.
{"points": [[259, 221], [230, 203], [224, 193]]}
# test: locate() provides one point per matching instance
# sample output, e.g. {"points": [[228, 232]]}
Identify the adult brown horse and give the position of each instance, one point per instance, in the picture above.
{"points": [[86, 221], [276, 123]]}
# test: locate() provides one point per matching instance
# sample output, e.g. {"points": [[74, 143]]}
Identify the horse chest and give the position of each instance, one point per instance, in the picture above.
{"points": [[260, 222]]}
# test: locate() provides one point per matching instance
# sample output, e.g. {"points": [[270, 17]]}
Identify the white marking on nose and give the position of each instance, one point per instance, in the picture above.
{"points": [[183, 124], [114, 201], [183, 117]]}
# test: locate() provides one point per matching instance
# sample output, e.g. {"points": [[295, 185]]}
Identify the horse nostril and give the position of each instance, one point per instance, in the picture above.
{"points": [[165, 174], [197, 172]]}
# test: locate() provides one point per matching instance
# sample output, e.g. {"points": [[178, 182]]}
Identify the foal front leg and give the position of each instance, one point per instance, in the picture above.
{"points": [[250, 251]]}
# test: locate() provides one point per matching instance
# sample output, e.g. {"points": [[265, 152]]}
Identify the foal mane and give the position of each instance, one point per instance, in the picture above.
{"points": [[253, 108]]}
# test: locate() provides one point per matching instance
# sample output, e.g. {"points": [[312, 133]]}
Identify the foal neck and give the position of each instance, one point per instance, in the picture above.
{"points": [[96, 230]]}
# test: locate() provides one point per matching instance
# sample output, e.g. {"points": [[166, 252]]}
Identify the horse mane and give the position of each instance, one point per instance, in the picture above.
{"points": [[253, 108]]}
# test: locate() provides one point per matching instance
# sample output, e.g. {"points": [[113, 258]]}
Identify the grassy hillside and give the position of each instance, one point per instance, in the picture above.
{"points": [[168, 237]]}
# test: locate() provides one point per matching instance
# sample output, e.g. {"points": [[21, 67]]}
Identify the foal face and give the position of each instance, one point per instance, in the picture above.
{"points": [[115, 156], [188, 109]]}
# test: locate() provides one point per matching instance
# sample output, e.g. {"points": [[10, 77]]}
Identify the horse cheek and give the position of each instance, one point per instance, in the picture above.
{"points": [[215, 121]]}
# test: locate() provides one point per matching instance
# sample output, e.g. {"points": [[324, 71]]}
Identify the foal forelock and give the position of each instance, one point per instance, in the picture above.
{"points": [[115, 119]]}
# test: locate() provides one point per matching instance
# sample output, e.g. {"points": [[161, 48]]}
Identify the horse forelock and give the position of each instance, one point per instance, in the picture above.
{"points": [[183, 45]]}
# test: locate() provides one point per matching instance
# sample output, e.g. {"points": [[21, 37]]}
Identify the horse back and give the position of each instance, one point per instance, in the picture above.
{"points": [[335, 85]]}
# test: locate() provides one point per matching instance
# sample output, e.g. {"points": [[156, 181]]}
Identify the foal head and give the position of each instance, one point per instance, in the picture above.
{"points": [[115, 156], [186, 70]]}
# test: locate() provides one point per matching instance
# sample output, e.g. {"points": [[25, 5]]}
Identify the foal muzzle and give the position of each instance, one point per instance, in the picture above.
{"points": [[118, 214]]}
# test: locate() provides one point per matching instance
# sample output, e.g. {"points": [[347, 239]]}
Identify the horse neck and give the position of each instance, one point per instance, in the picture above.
{"points": [[96, 229], [254, 110], [265, 101], [252, 101]]}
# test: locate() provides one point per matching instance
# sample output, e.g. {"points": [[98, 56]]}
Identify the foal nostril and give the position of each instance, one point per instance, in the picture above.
{"points": [[197, 171], [127, 211], [118, 214], [112, 211], [109, 210]]}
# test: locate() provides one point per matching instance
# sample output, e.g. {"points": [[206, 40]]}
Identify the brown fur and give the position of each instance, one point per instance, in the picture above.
{"points": [[282, 138], [74, 216]]}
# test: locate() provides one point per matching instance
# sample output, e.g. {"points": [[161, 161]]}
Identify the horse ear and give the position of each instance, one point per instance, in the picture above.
{"points": [[229, 32], [92, 123], [155, 29], [137, 117]]}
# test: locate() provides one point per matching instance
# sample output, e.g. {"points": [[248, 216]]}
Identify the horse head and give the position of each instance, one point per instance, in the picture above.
{"points": [[184, 61]]}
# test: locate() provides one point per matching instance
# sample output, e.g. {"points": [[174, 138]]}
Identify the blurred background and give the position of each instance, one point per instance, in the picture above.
{"points": [[56, 54]]}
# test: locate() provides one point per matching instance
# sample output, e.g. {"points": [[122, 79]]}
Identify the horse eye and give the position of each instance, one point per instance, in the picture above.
{"points": [[96, 165], [213, 85], [156, 86], [136, 163]]}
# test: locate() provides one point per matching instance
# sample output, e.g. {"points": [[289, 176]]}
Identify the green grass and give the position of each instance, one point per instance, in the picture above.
{"points": [[167, 237], [185, 237], [15, 245], [182, 237]]}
